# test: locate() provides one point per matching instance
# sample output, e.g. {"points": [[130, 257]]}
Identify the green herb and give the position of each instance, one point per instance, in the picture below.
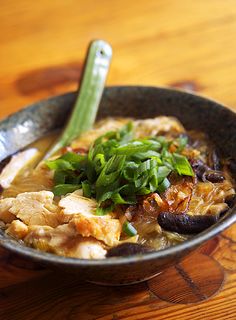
{"points": [[118, 168], [87, 191], [59, 164], [129, 229], [182, 142], [182, 165], [62, 189], [100, 211], [60, 177], [163, 186]]}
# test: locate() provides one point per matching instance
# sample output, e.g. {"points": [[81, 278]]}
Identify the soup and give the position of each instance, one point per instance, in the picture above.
{"points": [[125, 187]]}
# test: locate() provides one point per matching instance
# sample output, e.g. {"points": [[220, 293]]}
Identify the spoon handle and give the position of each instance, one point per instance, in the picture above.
{"points": [[91, 87]]}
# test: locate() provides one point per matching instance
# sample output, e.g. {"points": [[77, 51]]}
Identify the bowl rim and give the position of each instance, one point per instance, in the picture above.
{"points": [[187, 245], [44, 257]]}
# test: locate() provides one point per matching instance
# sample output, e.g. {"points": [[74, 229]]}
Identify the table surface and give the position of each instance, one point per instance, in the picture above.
{"points": [[185, 44]]}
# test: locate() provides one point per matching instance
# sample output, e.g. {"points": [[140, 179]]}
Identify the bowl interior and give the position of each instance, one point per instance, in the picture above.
{"points": [[195, 112]]}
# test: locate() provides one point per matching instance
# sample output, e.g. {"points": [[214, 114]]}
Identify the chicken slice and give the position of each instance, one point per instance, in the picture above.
{"points": [[100, 128], [158, 125], [17, 229], [81, 212], [5, 215], [16, 164], [36, 208], [65, 241], [107, 230], [90, 249], [74, 204]]}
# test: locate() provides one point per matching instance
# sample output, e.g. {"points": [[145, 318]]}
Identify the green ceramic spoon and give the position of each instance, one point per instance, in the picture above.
{"points": [[91, 87]]}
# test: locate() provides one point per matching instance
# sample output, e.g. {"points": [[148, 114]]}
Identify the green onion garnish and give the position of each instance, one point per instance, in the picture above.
{"points": [[118, 168], [129, 229], [182, 165], [62, 189], [163, 186]]}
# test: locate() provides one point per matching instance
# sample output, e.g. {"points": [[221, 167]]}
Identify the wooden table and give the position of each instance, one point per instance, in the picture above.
{"points": [[183, 44]]}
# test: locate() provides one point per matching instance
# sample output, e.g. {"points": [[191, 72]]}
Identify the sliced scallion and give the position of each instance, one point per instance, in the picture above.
{"points": [[182, 165], [129, 229], [62, 189], [163, 186], [116, 178]]}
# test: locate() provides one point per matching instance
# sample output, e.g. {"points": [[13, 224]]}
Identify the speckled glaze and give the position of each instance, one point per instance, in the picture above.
{"points": [[195, 112]]}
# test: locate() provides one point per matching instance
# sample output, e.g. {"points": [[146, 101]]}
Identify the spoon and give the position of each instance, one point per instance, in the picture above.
{"points": [[90, 91]]}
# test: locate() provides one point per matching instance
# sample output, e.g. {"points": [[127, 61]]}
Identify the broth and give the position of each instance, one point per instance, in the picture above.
{"points": [[69, 223]]}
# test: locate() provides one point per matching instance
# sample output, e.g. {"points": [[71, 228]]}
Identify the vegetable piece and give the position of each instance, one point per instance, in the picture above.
{"points": [[129, 171], [94, 75], [116, 169], [163, 186], [62, 189], [146, 155], [204, 173], [131, 148], [99, 162], [86, 189], [214, 160], [59, 164], [129, 229], [111, 171], [127, 249], [199, 167], [163, 172], [72, 157], [214, 176], [60, 177], [126, 133], [182, 142], [100, 211], [182, 165], [185, 224]]}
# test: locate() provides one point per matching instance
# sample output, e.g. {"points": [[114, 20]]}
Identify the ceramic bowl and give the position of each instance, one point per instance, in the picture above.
{"points": [[195, 112]]}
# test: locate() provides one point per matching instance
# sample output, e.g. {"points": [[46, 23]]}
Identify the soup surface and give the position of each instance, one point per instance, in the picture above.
{"points": [[125, 187]]}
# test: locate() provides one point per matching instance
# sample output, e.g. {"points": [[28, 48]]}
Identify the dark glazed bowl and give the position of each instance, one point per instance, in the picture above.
{"points": [[193, 111]]}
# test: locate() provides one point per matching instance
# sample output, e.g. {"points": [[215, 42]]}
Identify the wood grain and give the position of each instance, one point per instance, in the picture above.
{"points": [[185, 44]]}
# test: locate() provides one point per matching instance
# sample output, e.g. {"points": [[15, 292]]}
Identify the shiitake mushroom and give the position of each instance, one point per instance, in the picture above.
{"points": [[205, 173], [214, 160], [213, 176], [184, 223], [127, 249]]}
